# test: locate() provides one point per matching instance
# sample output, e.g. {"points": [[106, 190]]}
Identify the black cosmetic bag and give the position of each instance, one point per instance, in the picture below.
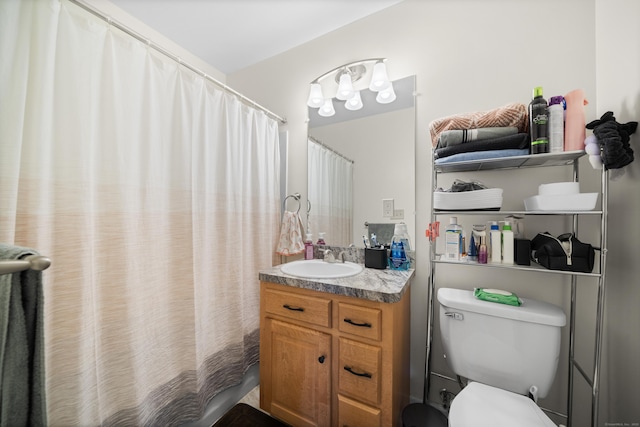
{"points": [[564, 252]]}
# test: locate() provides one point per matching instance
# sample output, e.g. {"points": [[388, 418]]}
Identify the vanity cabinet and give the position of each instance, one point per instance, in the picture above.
{"points": [[333, 360]]}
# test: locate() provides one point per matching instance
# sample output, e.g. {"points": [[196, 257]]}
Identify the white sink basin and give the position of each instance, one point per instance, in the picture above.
{"points": [[319, 269]]}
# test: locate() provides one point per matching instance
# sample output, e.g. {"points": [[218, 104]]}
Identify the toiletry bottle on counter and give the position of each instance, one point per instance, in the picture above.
{"points": [[556, 124], [308, 247], [453, 240], [398, 259], [507, 243], [495, 251], [321, 239], [538, 123]]}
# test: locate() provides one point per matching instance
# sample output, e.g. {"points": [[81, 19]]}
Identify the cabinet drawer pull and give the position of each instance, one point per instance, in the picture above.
{"points": [[321, 359], [351, 371], [363, 325], [288, 307]]}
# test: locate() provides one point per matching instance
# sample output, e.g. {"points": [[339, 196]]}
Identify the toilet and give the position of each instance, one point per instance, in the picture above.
{"points": [[507, 353]]}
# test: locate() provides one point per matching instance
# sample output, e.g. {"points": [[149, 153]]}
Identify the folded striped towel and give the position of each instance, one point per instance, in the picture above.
{"points": [[510, 115]]}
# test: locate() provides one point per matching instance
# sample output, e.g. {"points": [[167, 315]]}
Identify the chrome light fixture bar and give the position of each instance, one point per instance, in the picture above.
{"points": [[345, 76]]}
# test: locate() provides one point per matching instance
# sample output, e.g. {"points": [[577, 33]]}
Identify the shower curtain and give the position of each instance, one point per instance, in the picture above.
{"points": [[330, 182], [155, 194]]}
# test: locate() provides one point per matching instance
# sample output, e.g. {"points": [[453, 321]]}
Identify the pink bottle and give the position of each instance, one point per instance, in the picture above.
{"points": [[574, 127]]}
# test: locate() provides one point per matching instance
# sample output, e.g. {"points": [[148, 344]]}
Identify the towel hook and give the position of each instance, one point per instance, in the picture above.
{"points": [[296, 196]]}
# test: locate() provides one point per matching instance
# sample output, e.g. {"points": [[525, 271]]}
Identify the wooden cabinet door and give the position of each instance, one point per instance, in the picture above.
{"points": [[298, 377]]}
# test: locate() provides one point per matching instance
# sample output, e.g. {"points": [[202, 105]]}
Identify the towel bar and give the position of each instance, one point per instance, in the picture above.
{"points": [[33, 262]]}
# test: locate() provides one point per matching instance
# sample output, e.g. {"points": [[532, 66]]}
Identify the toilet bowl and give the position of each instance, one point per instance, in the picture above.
{"points": [[505, 352], [480, 405]]}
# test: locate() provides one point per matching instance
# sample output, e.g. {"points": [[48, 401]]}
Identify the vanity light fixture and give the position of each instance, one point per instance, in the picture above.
{"points": [[346, 76]]}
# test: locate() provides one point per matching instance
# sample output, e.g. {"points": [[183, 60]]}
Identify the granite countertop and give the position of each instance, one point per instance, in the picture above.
{"points": [[371, 284]]}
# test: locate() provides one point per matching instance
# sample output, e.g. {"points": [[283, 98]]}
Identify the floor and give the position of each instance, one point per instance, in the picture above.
{"points": [[252, 398]]}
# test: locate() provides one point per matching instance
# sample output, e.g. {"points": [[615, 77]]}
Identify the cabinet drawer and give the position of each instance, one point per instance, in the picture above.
{"points": [[356, 414], [362, 321], [359, 371], [308, 309]]}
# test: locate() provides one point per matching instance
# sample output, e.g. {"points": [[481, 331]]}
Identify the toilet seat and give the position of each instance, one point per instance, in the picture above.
{"points": [[480, 405]]}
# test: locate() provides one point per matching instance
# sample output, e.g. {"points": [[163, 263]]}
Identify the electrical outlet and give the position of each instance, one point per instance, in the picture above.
{"points": [[387, 208], [398, 214]]}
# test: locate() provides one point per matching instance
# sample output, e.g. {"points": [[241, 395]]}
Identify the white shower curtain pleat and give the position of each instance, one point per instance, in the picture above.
{"points": [[155, 194]]}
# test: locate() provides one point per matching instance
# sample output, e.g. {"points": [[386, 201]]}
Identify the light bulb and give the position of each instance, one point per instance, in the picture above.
{"points": [[327, 108], [379, 79], [386, 96], [354, 103], [345, 88], [315, 96]]}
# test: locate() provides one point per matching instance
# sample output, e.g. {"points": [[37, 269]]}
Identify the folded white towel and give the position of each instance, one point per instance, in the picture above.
{"points": [[290, 242]]}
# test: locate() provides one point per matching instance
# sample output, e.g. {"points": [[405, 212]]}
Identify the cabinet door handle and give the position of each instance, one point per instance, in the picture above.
{"points": [[351, 371], [363, 325], [321, 359], [288, 307]]}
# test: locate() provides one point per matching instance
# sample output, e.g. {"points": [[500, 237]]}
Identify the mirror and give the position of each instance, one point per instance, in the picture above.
{"points": [[357, 159]]}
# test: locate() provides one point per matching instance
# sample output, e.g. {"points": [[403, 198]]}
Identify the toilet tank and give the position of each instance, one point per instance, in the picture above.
{"points": [[508, 347]]}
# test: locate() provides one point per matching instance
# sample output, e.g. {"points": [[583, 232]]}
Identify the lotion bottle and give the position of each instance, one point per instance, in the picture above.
{"points": [[308, 247], [495, 254], [453, 240], [574, 126], [507, 243]]}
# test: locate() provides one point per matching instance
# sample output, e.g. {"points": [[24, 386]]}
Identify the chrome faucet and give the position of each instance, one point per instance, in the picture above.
{"points": [[328, 256], [331, 258]]}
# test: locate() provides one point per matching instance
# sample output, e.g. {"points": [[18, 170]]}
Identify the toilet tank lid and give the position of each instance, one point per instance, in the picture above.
{"points": [[531, 310]]}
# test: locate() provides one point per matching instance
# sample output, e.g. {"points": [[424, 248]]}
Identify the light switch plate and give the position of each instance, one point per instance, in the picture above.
{"points": [[398, 214], [387, 208]]}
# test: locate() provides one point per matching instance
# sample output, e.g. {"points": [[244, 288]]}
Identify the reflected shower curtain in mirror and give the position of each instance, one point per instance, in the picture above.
{"points": [[155, 194], [330, 183]]}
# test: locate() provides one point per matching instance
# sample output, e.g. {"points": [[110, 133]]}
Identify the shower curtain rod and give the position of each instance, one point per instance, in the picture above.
{"points": [[317, 141], [175, 58], [31, 262]]}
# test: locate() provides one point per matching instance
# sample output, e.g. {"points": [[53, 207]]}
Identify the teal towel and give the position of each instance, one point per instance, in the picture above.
{"points": [[22, 381]]}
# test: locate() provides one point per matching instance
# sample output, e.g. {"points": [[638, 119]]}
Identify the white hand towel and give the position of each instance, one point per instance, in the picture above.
{"points": [[290, 242]]}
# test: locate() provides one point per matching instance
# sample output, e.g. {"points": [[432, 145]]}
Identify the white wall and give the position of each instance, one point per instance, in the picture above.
{"points": [[473, 55], [106, 8], [617, 30]]}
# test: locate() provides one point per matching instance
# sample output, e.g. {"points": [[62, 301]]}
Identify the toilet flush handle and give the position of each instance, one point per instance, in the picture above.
{"points": [[454, 315]]}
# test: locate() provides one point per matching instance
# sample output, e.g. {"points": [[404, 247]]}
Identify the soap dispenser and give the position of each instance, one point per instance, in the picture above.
{"points": [[308, 247], [398, 259]]}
